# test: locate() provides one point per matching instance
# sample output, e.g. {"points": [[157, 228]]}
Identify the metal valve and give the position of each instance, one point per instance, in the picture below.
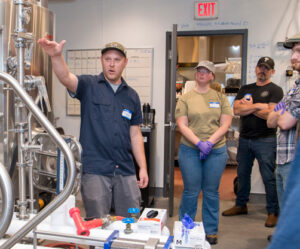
{"points": [[12, 64], [134, 212], [128, 222]]}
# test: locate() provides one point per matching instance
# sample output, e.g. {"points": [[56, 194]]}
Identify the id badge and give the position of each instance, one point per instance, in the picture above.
{"points": [[214, 104], [127, 114]]}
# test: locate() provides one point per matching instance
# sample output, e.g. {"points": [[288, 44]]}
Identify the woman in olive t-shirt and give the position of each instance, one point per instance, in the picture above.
{"points": [[203, 116]]}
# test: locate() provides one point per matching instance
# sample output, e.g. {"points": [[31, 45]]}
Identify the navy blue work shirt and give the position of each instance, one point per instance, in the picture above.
{"points": [[106, 118]]}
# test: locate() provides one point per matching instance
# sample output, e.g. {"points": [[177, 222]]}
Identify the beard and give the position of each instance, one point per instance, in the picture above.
{"points": [[261, 77], [296, 65]]}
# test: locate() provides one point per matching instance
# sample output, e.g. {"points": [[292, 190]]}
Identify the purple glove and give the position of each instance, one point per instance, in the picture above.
{"points": [[280, 106], [205, 147]]}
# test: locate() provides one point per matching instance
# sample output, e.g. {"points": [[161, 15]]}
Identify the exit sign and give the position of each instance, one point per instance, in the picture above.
{"points": [[206, 9]]}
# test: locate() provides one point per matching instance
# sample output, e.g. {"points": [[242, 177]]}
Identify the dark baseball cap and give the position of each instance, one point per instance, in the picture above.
{"points": [[266, 61], [290, 42], [114, 46]]}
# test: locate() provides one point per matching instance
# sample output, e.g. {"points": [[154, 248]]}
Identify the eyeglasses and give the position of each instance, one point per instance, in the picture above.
{"points": [[203, 70]]}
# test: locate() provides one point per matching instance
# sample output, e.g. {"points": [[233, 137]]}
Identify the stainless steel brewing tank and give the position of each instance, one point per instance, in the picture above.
{"points": [[41, 24]]}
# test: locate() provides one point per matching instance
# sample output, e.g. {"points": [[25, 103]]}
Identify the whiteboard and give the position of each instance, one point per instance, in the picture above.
{"points": [[138, 73]]}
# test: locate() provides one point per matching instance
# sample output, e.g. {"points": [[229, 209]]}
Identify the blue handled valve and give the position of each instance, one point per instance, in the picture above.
{"points": [[128, 222], [134, 212]]}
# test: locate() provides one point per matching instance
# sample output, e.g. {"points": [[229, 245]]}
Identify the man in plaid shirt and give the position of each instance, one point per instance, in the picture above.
{"points": [[285, 116]]}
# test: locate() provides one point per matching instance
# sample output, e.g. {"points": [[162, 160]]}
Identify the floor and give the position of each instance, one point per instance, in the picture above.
{"points": [[238, 232]]}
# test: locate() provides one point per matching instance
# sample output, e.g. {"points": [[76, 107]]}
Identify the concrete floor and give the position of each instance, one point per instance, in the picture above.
{"points": [[238, 232]]}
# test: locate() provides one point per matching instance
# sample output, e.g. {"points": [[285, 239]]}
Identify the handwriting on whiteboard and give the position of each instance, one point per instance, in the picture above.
{"points": [[259, 45], [239, 23]]}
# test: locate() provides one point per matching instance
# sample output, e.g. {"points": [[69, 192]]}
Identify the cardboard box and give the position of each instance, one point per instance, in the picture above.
{"points": [[190, 238], [152, 225]]}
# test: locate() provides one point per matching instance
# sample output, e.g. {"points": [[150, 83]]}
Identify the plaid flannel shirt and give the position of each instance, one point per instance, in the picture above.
{"points": [[286, 139]]}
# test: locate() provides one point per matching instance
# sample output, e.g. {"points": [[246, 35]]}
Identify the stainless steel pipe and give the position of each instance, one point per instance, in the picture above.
{"points": [[42, 119], [20, 110], [7, 200]]}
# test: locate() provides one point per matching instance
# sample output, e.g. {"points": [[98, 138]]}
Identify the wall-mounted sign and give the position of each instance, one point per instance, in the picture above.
{"points": [[206, 9]]}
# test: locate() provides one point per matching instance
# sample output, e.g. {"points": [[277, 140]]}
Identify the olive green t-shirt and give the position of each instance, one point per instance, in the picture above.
{"points": [[204, 111]]}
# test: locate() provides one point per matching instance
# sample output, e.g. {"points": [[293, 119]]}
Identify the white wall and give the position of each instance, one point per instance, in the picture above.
{"points": [[143, 23]]}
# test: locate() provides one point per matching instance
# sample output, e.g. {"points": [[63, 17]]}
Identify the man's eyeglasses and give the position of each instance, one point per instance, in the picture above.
{"points": [[203, 70]]}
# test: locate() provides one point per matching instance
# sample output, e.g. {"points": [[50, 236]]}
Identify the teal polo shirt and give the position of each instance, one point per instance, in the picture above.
{"points": [[106, 117]]}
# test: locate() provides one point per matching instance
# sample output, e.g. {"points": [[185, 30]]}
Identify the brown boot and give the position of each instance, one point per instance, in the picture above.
{"points": [[212, 239], [271, 220], [236, 210]]}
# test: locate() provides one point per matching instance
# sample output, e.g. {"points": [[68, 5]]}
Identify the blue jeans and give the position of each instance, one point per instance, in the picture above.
{"points": [[264, 150], [202, 175], [282, 173]]}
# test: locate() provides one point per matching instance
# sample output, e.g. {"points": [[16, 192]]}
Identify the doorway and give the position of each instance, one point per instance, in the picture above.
{"points": [[228, 50]]}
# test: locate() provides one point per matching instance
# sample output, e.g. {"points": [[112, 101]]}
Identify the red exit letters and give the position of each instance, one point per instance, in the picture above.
{"points": [[206, 9]]}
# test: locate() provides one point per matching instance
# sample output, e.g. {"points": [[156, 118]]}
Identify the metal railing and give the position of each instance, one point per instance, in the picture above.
{"points": [[7, 200], [42, 119]]}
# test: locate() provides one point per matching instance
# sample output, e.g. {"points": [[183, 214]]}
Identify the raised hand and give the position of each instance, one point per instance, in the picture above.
{"points": [[52, 48]]}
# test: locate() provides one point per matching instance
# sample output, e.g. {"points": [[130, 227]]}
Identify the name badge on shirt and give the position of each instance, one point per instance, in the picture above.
{"points": [[127, 114], [214, 104]]}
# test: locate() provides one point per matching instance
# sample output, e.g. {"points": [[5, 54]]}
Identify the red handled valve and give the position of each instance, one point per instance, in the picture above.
{"points": [[93, 223], [83, 227]]}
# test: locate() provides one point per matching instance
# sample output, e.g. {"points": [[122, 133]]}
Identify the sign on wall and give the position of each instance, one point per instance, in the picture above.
{"points": [[137, 74], [206, 9]]}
